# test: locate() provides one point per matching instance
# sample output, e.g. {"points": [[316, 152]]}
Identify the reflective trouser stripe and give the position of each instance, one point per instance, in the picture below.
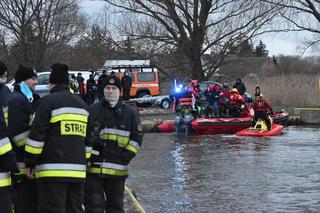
{"points": [[5, 179], [21, 139], [133, 146], [61, 173], [107, 171], [110, 169], [88, 152], [61, 170], [5, 146], [34, 147]]}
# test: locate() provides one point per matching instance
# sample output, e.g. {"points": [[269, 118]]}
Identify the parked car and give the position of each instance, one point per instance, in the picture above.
{"points": [[163, 101], [205, 84], [43, 79]]}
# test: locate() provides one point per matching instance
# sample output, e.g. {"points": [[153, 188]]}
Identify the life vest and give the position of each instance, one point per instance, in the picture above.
{"points": [[261, 106], [236, 99]]}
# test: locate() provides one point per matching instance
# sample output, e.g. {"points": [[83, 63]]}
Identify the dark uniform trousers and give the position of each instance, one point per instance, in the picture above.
{"points": [[25, 196], [5, 202], [264, 117], [104, 195], [60, 197]]}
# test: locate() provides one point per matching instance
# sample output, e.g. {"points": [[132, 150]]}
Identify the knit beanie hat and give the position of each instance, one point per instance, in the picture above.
{"points": [[59, 74], [24, 73], [3, 68], [112, 80]]}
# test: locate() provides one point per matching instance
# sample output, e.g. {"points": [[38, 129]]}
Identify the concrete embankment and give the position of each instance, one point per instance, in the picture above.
{"points": [[306, 115]]}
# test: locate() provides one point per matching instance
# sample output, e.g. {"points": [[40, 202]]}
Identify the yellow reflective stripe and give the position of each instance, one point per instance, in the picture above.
{"points": [[5, 182], [5, 179], [21, 139], [122, 141], [33, 150], [21, 142], [6, 118], [22, 171], [88, 155], [114, 172], [5, 148], [5, 145], [108, 171], [132, 149], [61, 173], [69, 117]]}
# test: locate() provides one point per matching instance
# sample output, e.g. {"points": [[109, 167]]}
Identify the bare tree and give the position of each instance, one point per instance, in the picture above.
{"points": [[301, 15], [195, 27], [34, 28]]}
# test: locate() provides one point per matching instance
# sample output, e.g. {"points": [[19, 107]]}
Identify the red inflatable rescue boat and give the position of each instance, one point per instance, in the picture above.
{"points": [[221, 125], [275, 130]]}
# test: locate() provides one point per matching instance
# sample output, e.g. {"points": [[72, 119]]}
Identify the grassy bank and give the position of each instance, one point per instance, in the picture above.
{"points": [[290, 90]]}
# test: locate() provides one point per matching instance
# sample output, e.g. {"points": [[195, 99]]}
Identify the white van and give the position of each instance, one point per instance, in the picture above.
{"points": [[43, 79]]}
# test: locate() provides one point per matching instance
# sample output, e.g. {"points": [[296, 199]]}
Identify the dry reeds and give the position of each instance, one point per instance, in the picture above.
{"points": [[290, 90]]}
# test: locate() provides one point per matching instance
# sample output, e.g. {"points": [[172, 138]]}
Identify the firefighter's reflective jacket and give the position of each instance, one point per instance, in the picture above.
{"points": [[56, 143], [7, 157], [20, 116], [117, 136]]}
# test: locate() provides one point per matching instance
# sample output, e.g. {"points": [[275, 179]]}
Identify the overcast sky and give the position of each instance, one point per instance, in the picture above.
{"points": [[281, 43]]}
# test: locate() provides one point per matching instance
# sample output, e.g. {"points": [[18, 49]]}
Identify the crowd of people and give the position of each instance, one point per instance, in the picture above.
{"points": [[224, 101], [91, 90], [57, 154]]}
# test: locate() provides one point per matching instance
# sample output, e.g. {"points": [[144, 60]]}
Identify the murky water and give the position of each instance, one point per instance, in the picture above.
{"points": [[226, 173]]}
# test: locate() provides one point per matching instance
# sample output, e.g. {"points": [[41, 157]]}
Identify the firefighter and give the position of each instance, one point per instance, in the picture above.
{"points": [[4, 90], [21, 106], [261, 108], [8, 165], [116, 131], [56, 151]]}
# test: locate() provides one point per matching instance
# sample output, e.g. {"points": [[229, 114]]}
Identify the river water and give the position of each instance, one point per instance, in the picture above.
{"points": [[226, 173]]}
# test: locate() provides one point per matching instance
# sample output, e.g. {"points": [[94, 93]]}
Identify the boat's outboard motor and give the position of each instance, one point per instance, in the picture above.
{"points": [[182, 123]]}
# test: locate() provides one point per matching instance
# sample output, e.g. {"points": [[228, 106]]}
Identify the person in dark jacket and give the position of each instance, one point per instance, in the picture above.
{"points": [[224, 98], [239, 85], [82, 90], [261, 108], [91, 90], [4, 90], [21, 107], [56, 151], [74, 85], [100, 84], [8, 163], [126, 83], [114, 128]]}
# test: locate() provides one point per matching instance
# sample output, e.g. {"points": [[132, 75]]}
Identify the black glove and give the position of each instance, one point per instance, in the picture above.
{"points": [[111, 149], [127, 156]]}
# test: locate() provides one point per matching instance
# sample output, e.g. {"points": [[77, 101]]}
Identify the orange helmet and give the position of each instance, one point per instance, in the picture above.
{"points": [[234, 90]]}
